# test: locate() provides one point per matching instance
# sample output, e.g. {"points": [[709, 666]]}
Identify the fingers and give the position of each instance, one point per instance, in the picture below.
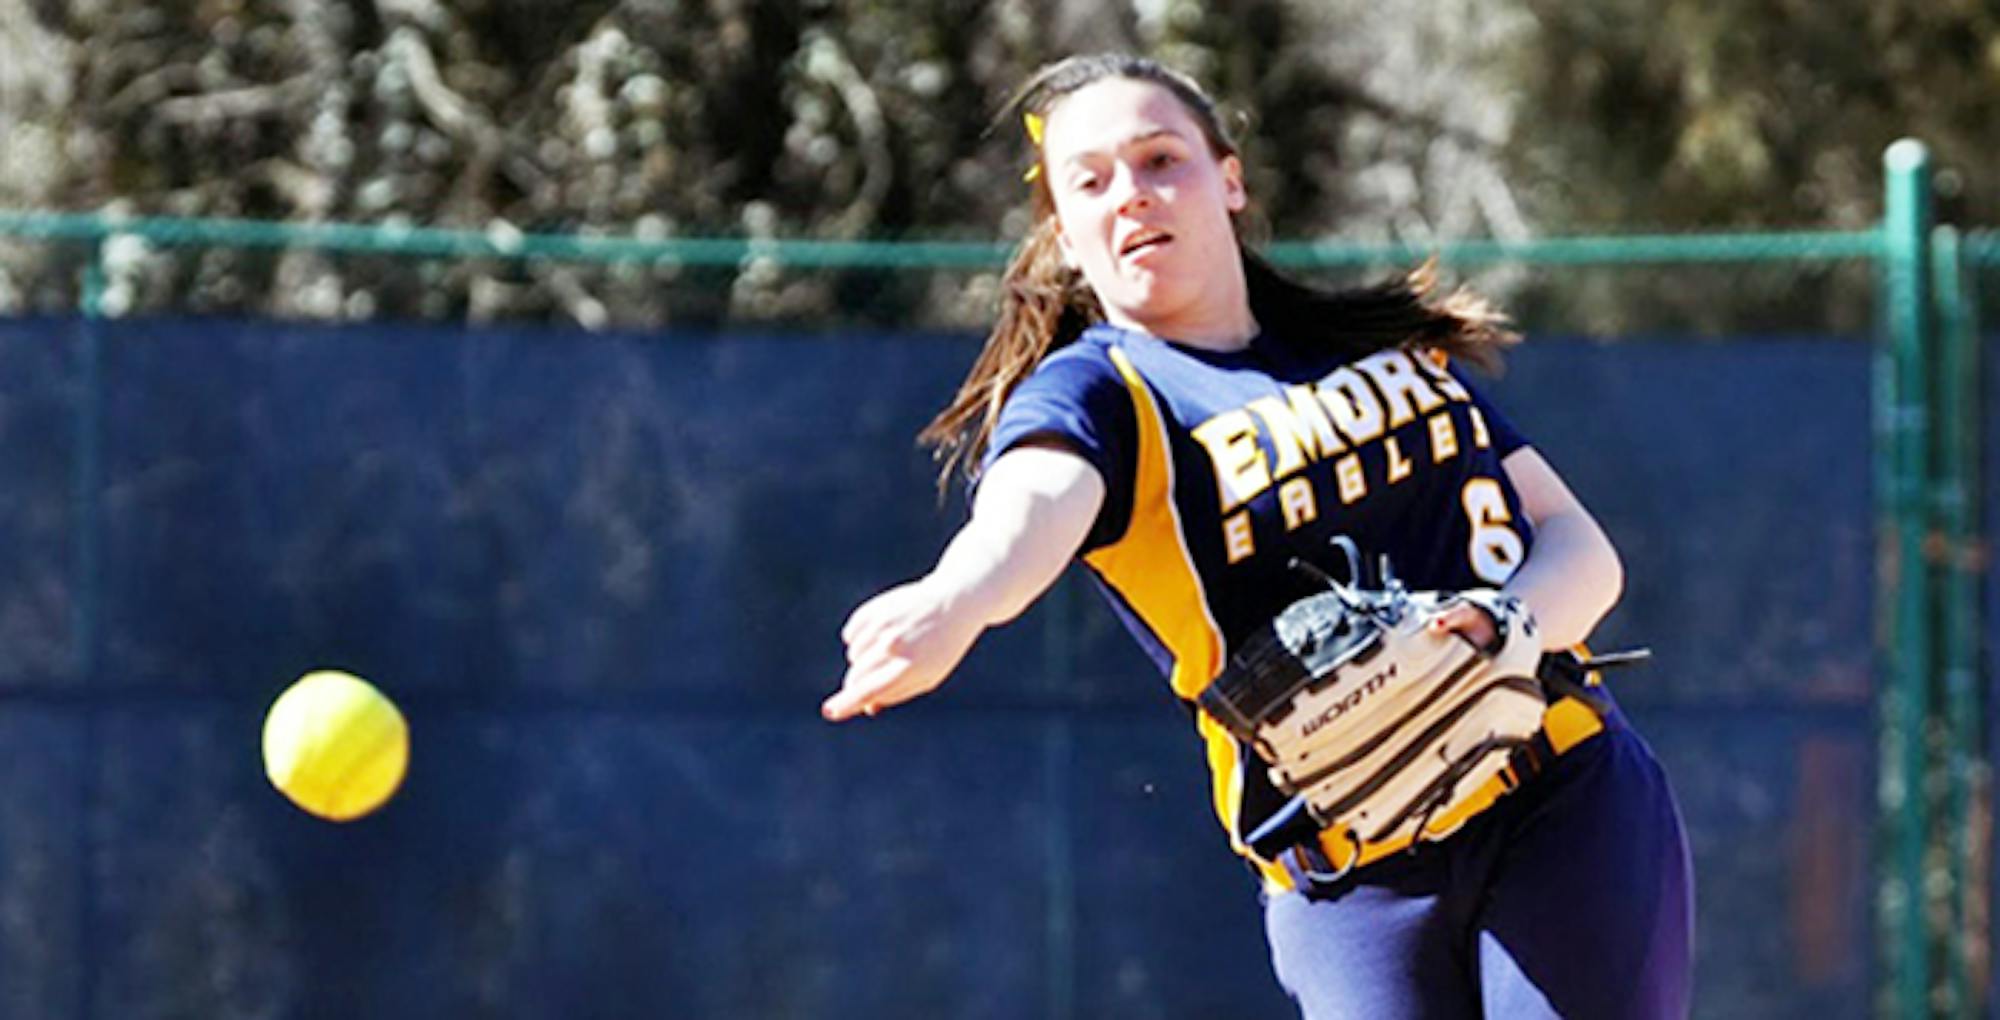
{"points": [[845, 704], [867, 672], [1468, 621], [900, 645], [877, 631], [877, 619], [1451, 617], [868, 688], [866, 619], [874, 643], [877, 670]]}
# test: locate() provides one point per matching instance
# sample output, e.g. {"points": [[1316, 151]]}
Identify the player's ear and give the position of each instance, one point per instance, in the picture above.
{"points": [[1234, 196]]}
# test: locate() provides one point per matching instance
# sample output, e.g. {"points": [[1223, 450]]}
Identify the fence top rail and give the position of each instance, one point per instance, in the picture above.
{"points": [[1627, 249], [507, 242]]}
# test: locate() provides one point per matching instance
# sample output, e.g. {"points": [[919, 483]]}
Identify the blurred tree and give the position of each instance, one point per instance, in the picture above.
{"points": [[1676, 115], [802, 118], [1681, 112], [872, 118]]}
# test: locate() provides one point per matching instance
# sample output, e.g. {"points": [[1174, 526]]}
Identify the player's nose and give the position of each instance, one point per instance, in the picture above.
{"points": [[1130, 191]]}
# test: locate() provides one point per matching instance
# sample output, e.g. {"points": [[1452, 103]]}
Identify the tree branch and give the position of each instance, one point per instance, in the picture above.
{"points": [[829, 63], [449, 111], [250, 101]]}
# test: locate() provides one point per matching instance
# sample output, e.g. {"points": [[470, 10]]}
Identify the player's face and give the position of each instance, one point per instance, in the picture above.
{"points": [[1143, 202]]}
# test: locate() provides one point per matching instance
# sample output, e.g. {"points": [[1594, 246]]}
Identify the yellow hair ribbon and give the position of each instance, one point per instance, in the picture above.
{"points": [[1034, 123]]}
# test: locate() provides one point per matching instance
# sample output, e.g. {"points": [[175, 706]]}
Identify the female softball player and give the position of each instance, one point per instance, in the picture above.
{"points": [[1163, 405]]}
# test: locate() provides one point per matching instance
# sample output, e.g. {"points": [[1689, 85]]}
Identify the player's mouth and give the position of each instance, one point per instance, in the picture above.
{"points": [[1144, 241]]}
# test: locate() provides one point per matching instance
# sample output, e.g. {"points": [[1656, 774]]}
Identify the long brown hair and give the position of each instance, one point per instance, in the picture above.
{"points": [[1045, 304]]}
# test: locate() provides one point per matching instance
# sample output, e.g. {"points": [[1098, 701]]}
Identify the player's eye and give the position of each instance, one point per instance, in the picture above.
{"points": [[1161, 160]]}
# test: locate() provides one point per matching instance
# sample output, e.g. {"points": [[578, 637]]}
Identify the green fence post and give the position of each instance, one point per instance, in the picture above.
{"points": [[1902, 444], [1978, 564], [1959, 383]]}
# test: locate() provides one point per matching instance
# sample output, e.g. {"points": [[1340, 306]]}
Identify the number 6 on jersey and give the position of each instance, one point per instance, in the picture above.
{"points": [[1495, 549]]}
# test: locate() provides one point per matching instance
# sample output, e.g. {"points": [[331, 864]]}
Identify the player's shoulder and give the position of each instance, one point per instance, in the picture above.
{"points": [[1082, 365], [1076, 394], [1090, 351]]}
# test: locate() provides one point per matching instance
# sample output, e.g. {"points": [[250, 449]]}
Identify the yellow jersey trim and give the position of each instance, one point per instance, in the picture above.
{"points": [[1150, 566]]}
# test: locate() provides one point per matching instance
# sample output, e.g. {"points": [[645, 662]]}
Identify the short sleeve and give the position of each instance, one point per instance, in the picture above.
{"points": [[1077, 398], [1506, 438]]}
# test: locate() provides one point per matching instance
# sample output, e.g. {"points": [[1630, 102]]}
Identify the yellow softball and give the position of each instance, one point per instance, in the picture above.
{"points": [[335, 745]]}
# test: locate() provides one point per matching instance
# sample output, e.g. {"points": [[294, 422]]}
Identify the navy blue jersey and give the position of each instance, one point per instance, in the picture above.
{"points": [[1220, 468]]}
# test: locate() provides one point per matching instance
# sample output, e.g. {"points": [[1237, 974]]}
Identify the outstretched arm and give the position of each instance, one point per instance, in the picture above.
{"points": [[1572, 576], [1034, 507]]}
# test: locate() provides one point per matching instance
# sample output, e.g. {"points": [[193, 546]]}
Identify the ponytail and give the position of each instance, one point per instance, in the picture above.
{"points": [[1044, 305], [1404, 311]]}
